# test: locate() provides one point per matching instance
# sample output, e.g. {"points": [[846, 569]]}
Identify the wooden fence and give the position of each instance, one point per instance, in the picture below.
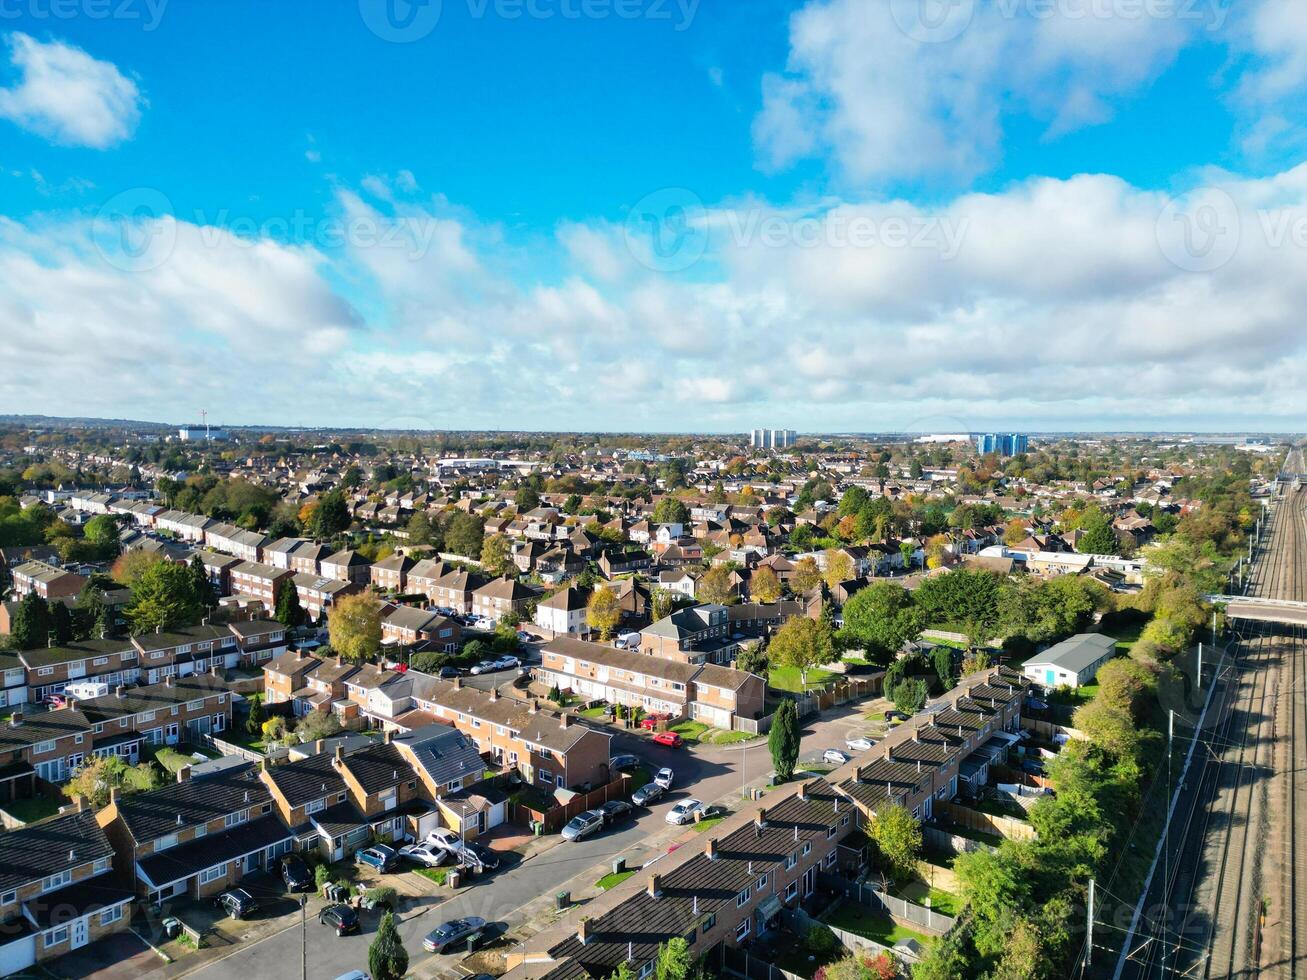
{"points": [[902, 911], [965, 816], [939, 839], [554, 818], [741, 963], [1048, 729]]}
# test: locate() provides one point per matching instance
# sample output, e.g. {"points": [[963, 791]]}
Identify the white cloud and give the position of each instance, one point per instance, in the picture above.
{"points": [[890, 93], [69, 97]]}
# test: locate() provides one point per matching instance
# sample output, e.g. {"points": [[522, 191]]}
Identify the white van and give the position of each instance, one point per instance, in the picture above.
{"points": [[628, 641], [85, 690]]}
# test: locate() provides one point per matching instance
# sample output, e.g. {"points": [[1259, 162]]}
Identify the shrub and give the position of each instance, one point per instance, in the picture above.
{"points": [[321, 875], [820, 941]]}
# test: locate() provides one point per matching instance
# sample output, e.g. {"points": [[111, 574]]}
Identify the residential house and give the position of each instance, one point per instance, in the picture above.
{"points": [[45, 580], [258, 581], [500, 597], [424, 575], [407, 626], [1072, 663], [454, 590], [317, 595], [391, 574], [245, 545], [564, 611], [696, 634], [348, 566], [48, 670]]}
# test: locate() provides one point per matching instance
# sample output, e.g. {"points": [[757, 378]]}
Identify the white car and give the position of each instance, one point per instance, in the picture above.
{"points": [[835, 757], [445, 839], [427, 855], [507, 663], [859, 744], [484, 667], [664, 778], [684, 811]]}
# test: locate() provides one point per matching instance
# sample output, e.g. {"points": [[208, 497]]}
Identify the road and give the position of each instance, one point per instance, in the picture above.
{"points": [[709, 773]]}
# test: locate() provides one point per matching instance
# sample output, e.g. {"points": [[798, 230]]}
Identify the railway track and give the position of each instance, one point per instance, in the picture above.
{"points": [[1293, 910]]}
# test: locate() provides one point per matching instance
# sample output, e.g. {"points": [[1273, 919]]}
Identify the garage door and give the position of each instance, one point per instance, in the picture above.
{"points": [[18, 955]]}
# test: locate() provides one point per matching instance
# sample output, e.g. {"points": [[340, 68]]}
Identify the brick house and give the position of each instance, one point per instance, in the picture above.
{"points": [[696, 634], [500, 597], [348, 566], [317, 595], [259, 581], [391, 574], [455, 588], [45, 580], [407, 626]]}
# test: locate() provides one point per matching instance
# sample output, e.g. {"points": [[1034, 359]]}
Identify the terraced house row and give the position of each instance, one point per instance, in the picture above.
{"points": [[756, 864]]}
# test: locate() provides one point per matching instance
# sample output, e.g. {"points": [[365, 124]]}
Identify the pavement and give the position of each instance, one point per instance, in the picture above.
{"points": [[518, 899]]}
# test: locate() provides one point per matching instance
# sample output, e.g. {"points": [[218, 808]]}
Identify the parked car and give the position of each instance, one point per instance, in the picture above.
{"points": [[449, 673], [295, 873], [524, 637], [646, 794], [623, 762], [507, 662], [664, 778], [650, 722], [893, 715], [583, 825], [628, 641], [237, 902], [684, 811], [354, 975], [455, 934], [615, 810], [485, 667], [377, 856], [342, 918], [859, 744], [1036, 704], [670, 739], [479, 856], [445, 839], [835, 757], [1032, 767], [427, 855]]}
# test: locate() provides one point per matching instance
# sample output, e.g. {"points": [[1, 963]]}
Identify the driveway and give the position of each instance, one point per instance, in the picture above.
{"points": [[121, 956]]}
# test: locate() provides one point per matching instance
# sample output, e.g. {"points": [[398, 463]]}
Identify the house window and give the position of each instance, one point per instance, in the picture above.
{"points": [[102, 864], [792, 890], [647, 969], [791, 861], [830, 859], [56, 937], [709, 921], [315, 806], [8, 898], [163, 843], [212, 874], [830, 832], [239, 817], [741, 898], [807, 849], [44, 671], [56, 881], [111, 915], [741, 931], [201, 830]]}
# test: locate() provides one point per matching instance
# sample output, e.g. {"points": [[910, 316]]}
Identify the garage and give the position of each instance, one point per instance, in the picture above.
{"points": [[17, 955]]}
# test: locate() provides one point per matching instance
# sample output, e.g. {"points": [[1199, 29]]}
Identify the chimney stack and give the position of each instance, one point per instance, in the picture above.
{"points": [[564, 720], [494, 694], [583, 930], [710, 850], [81, 804], [655, 888], [535, 706], [916, 734], [265, 765], [319, 745], [183, 774], [169, 681], [119, 691], [803, 791], [760, 820], [387, 736], [114, 794], [340, 753]]}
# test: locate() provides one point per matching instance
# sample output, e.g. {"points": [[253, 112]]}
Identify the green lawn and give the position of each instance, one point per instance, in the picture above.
{"points": [[718, 736], [707, 824], [995, 808], [171, 759], [862, 921], [598, 712], [438, 875], [690, 730], [613, 880], [788, 679], [1074, 696], [946, 903], [29, 811]]}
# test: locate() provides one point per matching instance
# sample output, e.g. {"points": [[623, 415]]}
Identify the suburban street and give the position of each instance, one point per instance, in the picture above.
{"points": [[712, 774]]}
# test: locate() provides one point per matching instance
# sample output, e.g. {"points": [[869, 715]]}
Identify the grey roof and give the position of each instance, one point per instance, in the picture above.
{"points": [[1077, 653], [443, 753], [162, 811], [194, 856], [41, 849]]}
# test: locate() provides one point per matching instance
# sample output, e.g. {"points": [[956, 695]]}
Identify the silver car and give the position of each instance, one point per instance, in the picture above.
{"points": [[583, 825]]}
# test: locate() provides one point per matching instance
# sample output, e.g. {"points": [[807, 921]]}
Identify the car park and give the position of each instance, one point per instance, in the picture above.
{"points": [[377, 856], [342, 918], [684, 812], [583, 825], [664, 778], [615, 811], [237, 902], [859, 744], [455, 935], [669, 739], [646, 794], [295, 873], [623, 762], [835, 757], [427, 855]]}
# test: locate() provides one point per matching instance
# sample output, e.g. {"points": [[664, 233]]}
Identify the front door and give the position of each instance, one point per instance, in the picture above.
{"points": [[77, 934]]}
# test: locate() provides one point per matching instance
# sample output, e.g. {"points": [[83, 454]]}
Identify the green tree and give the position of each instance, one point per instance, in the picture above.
{"points": [[764, 586], [163, 599], [387, 958], [317, 724], [839, 567], [496, 555], [882, 619], [715, 585], [61, 623], [753, 660], [783, 740], [943, 663], [354, 626], [897, 836], [527, 499], [675, 961], [802, 643], [201, 587], [101, 531], [670, 510], [330, 517], [805, 577], [255, 719], [464, 534], [1098, 538], [910, 695]]}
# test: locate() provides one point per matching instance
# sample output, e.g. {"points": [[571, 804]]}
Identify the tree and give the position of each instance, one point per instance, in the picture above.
{"points": [[839, 567], [31, 625], [354, 626], [783, 740], [943, 663], [937, 551], [1015, 532], [882, 618], [497, 555], [97, 776], [317, 724], [805, 577], [675, 961], [254, 721], [102, 532], [423, 530], [623, 972], [387, 958], [764, 585], [907, 551], [715, 585], [603, 612], [753, 660], [330, 517], [464, 534], [201, 587], [1097, 537], [802, 643], [910, 696], [897, 836], [527, 499], [163, 599], [670, 510], [131, 565], [289, 612], [61, 623]]}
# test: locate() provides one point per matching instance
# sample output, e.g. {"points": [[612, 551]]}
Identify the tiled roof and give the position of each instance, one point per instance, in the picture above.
{"points": [[193, 857], [39, 850], [157, 813]]}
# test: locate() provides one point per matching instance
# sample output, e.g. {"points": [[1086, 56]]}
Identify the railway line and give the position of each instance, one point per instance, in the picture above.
{"points": [[1232, 901]]}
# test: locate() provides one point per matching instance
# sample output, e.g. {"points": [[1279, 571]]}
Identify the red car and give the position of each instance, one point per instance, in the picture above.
{"points": [[670, 739], [653, 721]]}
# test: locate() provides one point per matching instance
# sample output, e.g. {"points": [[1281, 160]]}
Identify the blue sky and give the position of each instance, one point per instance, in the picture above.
{"points": [[684, 216]]}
